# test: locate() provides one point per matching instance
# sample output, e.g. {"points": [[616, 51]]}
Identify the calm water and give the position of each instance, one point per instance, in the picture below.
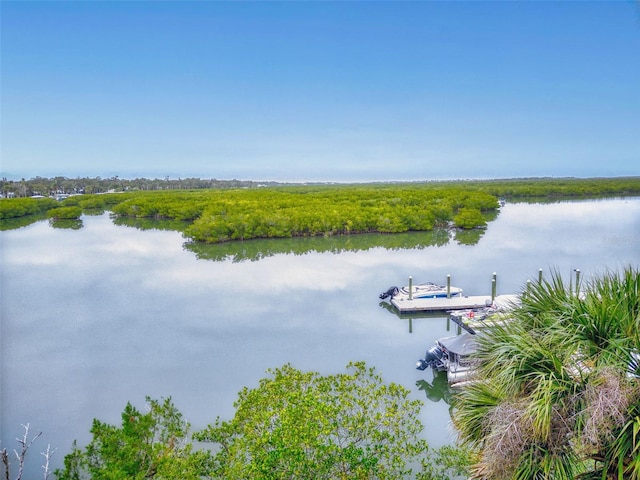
{"points": [[95, 317]]}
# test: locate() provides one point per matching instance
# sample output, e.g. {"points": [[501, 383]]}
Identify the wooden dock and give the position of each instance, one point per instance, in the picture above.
{"points": [[404, 305]]}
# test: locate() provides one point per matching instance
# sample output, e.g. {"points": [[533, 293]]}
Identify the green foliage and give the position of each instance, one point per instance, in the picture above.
{"points": [[296, 424], [554, 188], [18, 207], [147, 445], [303, 425], [222, 211], [177, 205], [555, 396], [66, 224], [22, 221], [445, 463], [280, 212], [92, 202], [220, 216], [65, 213], [469, 218]]}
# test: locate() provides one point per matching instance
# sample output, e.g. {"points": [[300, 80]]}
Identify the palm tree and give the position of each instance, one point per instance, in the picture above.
{"points": [[558, 387]]}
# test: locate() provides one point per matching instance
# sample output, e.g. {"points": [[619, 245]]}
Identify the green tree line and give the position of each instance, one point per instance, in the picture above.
{"points": [[239, 214], [510, 188], [56, 186], [224, 214], [21, 207], [277, 213]]}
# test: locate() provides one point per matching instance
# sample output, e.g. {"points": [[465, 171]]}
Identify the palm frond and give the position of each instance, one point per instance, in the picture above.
{"points": [[558, 394]]}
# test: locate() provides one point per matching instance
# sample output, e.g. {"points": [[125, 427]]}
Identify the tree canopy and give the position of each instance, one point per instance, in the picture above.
{"points": [[303, 425], [293, 425], [156, 444]]}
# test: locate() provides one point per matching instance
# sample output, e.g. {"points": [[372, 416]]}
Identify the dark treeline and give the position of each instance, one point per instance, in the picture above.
{"points": [[51, 187], [508, 188]]}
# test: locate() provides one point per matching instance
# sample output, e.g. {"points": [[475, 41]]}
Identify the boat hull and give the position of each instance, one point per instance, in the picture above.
{"points": [[423, 290]]}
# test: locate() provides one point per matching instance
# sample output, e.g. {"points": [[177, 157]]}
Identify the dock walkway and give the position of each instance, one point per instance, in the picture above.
{"points": [[404, 305]]}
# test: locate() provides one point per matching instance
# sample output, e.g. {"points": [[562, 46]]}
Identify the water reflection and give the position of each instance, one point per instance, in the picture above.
{"points": [[20, 222], [258, 249], [93, 212], [468, 237], [410, 317], [69, 224], [254, 250], [438, 389]]}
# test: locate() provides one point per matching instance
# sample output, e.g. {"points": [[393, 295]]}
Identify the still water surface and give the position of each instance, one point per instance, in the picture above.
{"points": [[96, 317]]}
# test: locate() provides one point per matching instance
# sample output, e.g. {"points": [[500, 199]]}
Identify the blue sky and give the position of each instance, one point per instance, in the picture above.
{"points": [[320, 91]]}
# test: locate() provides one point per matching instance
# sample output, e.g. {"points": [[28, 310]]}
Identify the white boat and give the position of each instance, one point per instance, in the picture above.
{"points": [[421, 290]]}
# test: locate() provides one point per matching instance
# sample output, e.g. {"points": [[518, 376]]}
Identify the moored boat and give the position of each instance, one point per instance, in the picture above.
{"points": [[459, 351], [453, 355], [421, 290]]}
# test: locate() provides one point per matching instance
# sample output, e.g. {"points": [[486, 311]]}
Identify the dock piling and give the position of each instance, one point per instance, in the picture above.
{"points": [[410, 288], [448, 286], [540, 275], [493, 286]]}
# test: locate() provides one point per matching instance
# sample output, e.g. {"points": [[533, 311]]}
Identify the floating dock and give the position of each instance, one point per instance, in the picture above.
{"points": [[404, 305]]}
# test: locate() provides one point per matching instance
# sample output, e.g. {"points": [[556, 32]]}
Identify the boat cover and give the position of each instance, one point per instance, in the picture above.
{"points": [[464, 344]]}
